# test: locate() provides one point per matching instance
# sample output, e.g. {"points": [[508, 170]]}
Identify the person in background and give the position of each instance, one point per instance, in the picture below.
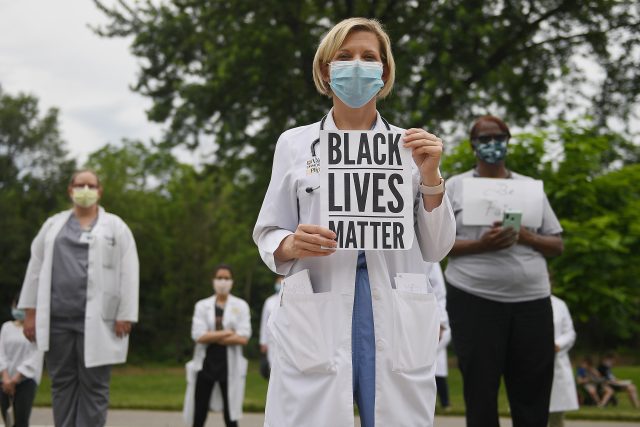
{"points": [[563, 390], [616, 384], [21, 369], [436, 280], [216, 376], [590, 380], [269, 304], [498, 300], [80, 296]]}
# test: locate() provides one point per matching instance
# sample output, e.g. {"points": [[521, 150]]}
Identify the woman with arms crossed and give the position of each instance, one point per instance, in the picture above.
{"points": [[355, 338]]}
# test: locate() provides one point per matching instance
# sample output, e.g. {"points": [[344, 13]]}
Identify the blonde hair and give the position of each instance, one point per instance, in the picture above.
{"points": [[332, 41]]}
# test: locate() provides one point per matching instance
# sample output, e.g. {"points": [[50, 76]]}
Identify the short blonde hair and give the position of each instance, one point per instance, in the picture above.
{"points": [[332, 41]]}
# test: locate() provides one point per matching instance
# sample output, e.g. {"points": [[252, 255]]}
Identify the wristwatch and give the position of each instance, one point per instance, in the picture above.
{"points": [[433, 190]]}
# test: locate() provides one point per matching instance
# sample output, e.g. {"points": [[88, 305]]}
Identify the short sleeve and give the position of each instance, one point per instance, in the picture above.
{"points": [[550, 224]]}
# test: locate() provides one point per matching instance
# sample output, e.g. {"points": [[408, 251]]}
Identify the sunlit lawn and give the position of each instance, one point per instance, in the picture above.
{"points": [[163, 388]]}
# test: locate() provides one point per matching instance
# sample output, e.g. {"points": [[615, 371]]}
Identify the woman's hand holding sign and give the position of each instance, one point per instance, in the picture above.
{"points": [[308, 240], [426, 150]]}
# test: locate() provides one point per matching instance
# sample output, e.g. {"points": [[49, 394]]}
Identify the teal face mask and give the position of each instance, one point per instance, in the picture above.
{"points": [[356, 82], [491, 152], [17, 314]]}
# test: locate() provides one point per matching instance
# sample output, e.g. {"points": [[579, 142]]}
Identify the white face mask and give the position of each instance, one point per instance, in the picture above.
{"points": [[222, 286], [84, 196]]}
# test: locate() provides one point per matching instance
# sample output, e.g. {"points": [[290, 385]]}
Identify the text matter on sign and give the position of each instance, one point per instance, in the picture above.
{"points": [[366, 189]]}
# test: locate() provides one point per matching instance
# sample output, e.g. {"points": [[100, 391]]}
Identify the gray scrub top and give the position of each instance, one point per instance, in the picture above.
{"points": [[69, 271], [517, 273]]}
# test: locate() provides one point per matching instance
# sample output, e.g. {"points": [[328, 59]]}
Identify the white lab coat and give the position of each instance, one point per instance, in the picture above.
{"points": [[436, 279], [311, 372], [237, 317], [563, 391], [268, 307], [112, 286]]}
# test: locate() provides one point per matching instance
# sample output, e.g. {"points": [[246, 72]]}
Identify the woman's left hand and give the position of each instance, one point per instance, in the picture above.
{"points": [[122, 328], [426, 149]]}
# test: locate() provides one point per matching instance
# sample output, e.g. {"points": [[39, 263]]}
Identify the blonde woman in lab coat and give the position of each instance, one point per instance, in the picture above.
{"points": [[353, 338]]}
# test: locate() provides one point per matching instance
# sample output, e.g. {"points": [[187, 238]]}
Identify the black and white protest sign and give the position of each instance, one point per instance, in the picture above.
{"points": [[366, 189]]}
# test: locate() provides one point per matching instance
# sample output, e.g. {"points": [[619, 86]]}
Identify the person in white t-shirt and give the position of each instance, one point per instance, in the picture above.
{"points": [[21, 369], [499, 296]]}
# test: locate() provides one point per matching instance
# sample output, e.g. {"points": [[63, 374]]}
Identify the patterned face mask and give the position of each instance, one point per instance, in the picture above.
{"points": [[491, 152]]}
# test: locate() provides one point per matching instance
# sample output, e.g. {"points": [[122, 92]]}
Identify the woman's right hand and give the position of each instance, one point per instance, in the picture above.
{"points": [[29, 324], [498, 237], [8, 387], [308, 240]]}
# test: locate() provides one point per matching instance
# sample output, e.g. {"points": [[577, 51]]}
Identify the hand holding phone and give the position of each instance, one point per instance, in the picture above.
{"points": [[512, 219]]}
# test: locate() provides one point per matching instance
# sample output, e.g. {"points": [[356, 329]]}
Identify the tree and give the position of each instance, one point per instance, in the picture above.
{"points": [[34, 172], [239, 73], [591, 181]]}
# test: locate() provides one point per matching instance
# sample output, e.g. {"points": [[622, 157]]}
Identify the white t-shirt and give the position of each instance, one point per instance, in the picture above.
{"points": [[17, 354], [517, 273]]}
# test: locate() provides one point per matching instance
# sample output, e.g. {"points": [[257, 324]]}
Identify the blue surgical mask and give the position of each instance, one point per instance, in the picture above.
{"points": [[17, 314], [356, 82], [277, 286], [491, 152]]}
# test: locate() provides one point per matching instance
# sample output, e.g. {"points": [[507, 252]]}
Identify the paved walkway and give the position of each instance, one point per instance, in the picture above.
{"points": [[41, 417]]}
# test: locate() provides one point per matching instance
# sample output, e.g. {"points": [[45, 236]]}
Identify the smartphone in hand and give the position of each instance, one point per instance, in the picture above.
{"points": [[512, 219]]}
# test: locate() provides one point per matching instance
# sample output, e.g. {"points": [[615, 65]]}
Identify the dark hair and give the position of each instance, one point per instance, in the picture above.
{"points": [[488, 118], [222, 267], [78, 172]]}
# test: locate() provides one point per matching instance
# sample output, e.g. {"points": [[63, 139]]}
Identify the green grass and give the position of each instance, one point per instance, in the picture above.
{"points": [[162, 388]]}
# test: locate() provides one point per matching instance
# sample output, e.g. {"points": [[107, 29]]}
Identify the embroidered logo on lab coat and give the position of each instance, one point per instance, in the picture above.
{"points": [[313, 165]]}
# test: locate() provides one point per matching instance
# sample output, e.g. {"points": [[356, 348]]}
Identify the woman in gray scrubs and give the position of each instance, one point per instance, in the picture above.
{"points": [[499, 297], [80, 296]]}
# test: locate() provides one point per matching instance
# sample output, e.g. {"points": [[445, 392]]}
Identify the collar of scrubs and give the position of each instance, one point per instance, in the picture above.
{"points": [[99, 221], [477, 175], [329, 124]]}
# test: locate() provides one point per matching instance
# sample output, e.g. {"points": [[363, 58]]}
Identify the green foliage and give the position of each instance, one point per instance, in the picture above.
{"points": [[33, 179], [240, 72], [163, 387], [591, 178]]}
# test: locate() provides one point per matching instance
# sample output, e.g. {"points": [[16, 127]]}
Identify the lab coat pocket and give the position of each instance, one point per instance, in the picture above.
{"points": [[300, 326], [108, 246], [110, 303], [415, 328]]}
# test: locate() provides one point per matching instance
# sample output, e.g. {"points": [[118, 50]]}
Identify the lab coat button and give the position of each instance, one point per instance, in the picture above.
{"points": [[380, 344], [375, 293]]}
